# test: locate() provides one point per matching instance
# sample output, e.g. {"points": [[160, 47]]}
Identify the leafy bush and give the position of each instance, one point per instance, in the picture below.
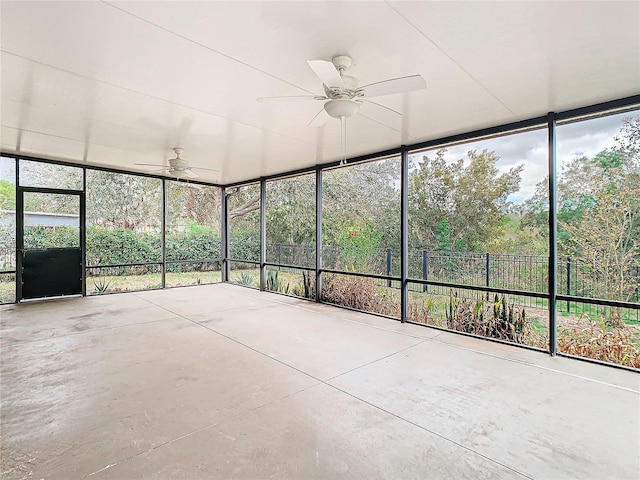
{"points": [[608, 345], [119, 246], [245, 279], [304, 289], [101, 285], [275, 284], [245, 245], [107, 246], [47, 237], [199, 242], [358, 293], [497, 319], [359, 248], [423, 312]]}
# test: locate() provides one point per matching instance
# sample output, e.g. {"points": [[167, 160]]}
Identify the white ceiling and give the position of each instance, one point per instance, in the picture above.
{"points": [[118, 83]]}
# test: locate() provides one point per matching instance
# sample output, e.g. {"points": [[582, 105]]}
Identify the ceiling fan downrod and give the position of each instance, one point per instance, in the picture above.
{"points": [[343, 128]]}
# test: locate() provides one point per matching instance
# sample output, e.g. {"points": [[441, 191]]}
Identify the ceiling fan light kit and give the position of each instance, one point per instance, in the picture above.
{"points": [[341, 108], [179, 167], [343, 95]]}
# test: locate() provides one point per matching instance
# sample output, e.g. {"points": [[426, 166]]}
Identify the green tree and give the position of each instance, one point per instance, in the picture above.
{"points": [[189, 206], [598, 210], [362, 197], [7, 195], [606, 240], [291, 212], [116, 200], [459, 205], [583, 180]]}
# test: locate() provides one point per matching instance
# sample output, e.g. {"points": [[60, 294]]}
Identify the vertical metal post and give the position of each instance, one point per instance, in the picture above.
{"points": [[318, 271], [263, 234], [224, 234], [389, 265], [19, 232], [425, 269], [553, 233], [404, 234], [83, 232], [487, 272], [163, 232], [568, 283]]}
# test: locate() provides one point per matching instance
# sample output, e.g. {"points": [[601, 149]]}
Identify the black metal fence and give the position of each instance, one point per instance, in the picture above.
{"points": [[529, 273]]}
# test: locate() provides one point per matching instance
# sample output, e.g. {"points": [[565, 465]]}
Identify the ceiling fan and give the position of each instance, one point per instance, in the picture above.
{"points": [[178, 167], [343, 95]]}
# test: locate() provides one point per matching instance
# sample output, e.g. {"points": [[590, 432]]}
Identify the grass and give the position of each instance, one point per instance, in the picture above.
{"points": [[7, 291], [128, 283]]}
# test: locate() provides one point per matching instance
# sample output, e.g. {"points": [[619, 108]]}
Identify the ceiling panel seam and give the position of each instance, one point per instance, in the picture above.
{"points": [[218, 52], [426, 37], [22, 129], [195, 109], [211, 49]]}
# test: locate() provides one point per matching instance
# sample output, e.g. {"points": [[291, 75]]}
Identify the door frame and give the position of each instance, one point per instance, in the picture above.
{"points": [[20, 191]]}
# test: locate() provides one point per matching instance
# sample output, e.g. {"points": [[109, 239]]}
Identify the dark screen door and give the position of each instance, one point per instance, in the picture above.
{"points": [[50, 247]]}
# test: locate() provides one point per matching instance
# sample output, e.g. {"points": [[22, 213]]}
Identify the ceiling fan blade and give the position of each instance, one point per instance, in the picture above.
{"points": [[187, 173], [150, 164], [203, 168], [291, 98], [327, 72], [395, 85], [381, 115], [319, 120], [381, 106]]}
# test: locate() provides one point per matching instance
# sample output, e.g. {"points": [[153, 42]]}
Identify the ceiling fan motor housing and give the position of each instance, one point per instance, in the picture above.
{"points": [[178, 164], [341, 108]]}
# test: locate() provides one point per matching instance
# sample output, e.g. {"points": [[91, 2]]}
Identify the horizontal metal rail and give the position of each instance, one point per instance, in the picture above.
{"points": [[358, 274], [480, 288], [20, 156], [282, 265], [252, 262], [202, 260], [120, 265], [47, 190], [600, 301]]}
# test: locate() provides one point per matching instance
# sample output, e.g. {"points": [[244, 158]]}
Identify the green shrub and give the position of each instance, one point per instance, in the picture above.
{"points": [[192, 246], [615, 345], [358, 293], [422, 312], [497, 319], [304, 289], [48, 237], [245, 245], [107, 246], [275, 284], [359, 248], [119, 246], [245, 279]]}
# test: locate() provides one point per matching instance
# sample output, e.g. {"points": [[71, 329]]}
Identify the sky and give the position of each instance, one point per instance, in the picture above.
{"points": [[530, 149]]}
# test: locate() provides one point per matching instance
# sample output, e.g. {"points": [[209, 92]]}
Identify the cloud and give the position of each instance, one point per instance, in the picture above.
{"points": [[530, 149]]}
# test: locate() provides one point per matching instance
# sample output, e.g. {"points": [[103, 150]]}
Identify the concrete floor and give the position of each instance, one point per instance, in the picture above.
{"points": [[225, 382]]}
